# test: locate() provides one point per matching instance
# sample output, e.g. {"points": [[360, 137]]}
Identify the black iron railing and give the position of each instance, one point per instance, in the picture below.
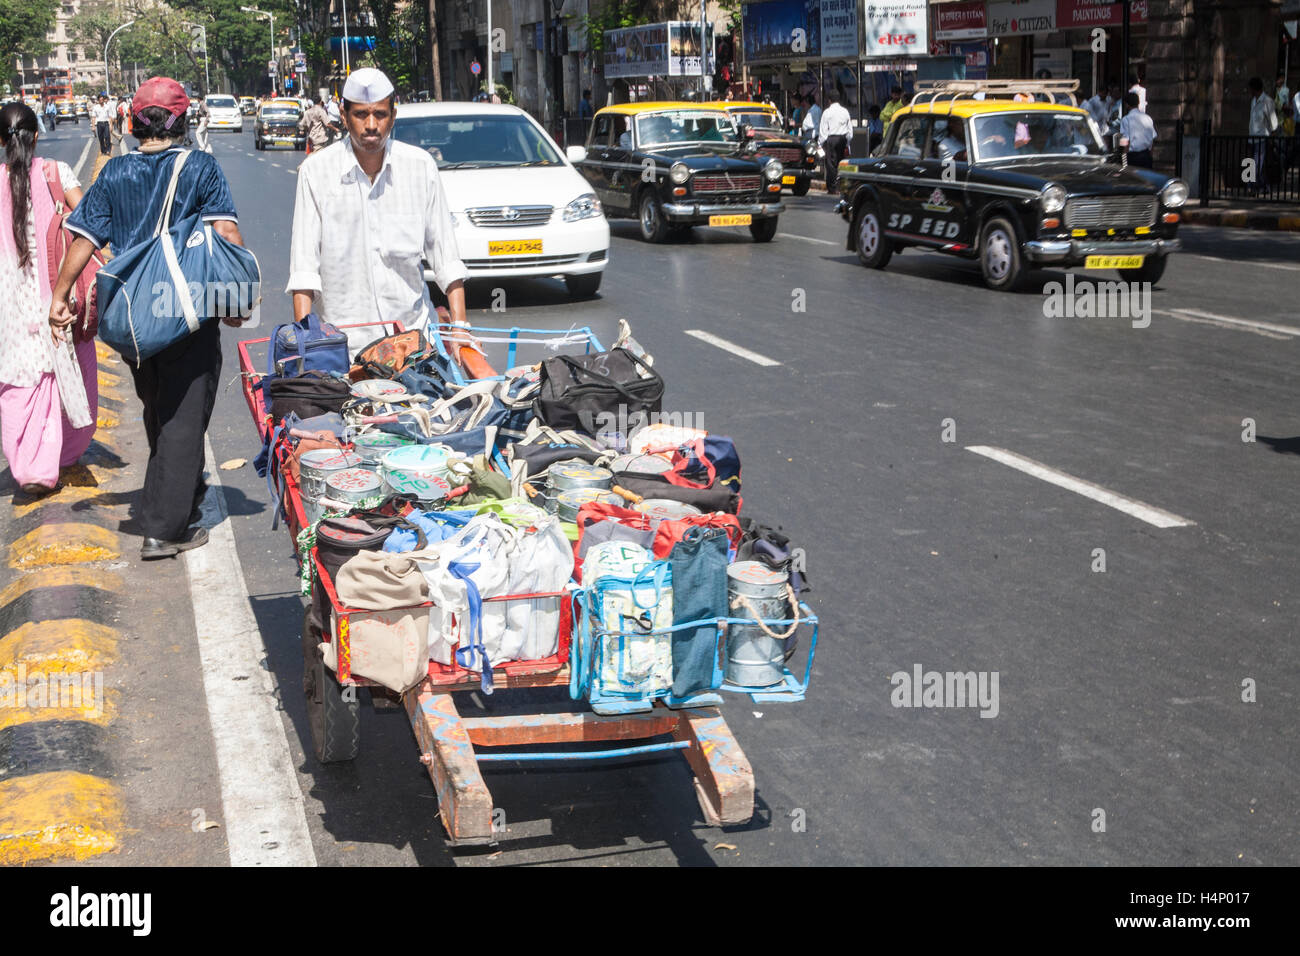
{"points": [[1249, 168]]}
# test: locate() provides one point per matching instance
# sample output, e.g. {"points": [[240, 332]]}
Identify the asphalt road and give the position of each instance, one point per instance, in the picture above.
{"points": [[1119, 690]]}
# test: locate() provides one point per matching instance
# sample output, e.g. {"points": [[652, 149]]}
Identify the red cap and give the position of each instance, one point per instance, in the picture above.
{"points": [[160, 91]]}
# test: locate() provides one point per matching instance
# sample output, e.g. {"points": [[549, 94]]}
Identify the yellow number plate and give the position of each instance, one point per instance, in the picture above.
{"points": [[730, 220], [787, 180], [515, 247], [1113, 262]]}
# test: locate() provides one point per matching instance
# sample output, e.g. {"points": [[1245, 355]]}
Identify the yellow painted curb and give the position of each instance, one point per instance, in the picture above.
{"points": [[108, 379], [105, 354], [67, 646], [1288, 222], [90, 703], [64, 543], [50, 816], [106, 420], [111, 394], [80, 483], [59, 578]]}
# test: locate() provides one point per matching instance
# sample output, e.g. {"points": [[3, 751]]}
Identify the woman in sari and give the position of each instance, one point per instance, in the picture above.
{"points": [[36, 437]]}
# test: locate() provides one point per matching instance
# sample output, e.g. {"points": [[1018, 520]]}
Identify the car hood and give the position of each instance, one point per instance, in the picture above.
{"points": [[723, 157], [1081, 176], [512, 186]]}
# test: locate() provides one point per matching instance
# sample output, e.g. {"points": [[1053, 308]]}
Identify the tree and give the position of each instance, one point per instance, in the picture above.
{"points": [[23, 25], [399, 33], [157, 42]]}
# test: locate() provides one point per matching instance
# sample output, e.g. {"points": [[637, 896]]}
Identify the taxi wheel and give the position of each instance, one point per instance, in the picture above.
{"points": [[801, 187], [1150, 271], [873, 248], [763, 230], [1000, 255], [654, 228]]}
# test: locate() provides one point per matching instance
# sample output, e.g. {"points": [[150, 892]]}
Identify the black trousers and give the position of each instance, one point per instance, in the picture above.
{"points": [[178, 388], [1141, 157], [836, 147], [105, 141]]}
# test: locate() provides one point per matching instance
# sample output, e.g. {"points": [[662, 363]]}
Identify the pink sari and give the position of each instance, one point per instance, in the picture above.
{"points": [[35, 435]]}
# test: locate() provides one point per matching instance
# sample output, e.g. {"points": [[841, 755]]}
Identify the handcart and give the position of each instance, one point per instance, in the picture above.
{"points": [[452, 746]]}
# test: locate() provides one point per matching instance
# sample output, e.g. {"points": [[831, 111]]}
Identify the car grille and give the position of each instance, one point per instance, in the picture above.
{"points": [[710, 183], [787, 154], [519, 262], [1110, 212], [518, 215]]}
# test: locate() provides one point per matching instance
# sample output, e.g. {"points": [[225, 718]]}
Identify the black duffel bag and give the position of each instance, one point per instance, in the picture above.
{"points": [[307, 395], [576, 390], [717, 498]]}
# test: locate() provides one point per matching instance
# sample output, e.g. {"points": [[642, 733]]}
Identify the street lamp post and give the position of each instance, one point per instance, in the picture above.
{"points": [[266, 13], [106, 43]]}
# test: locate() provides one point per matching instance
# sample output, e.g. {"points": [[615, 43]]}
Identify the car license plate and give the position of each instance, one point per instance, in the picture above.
{"points": [[1113, 262], [744, 220], [787, 180], [515, 247]]}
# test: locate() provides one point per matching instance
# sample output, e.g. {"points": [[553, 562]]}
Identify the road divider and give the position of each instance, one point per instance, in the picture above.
{"points": [[1130, 506]]}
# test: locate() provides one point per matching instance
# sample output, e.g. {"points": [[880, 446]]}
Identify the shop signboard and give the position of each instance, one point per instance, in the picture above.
{"points": [[1074, 14], [960, 21], [1017, 17], [895, 28], [976, 53]]}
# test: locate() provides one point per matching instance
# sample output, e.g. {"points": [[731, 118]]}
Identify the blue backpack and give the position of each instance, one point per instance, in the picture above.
{"points": [[308, 345]]}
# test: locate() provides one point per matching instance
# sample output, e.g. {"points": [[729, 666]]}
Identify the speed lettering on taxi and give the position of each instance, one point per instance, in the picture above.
{"points": [[928, 226]]}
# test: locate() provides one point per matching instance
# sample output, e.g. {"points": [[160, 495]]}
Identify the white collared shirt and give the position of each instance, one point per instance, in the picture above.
{"points": [[835, 122], [100, 113], [1263, 115], [358, 246], [1141, 92]]}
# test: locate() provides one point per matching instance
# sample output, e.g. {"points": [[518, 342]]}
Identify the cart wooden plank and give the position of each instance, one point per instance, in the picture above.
{"points": [[464, 802], [565, 728], [724, 779]]}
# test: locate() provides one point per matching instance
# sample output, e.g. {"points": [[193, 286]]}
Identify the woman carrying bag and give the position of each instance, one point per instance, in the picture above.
{"points": [[38, 439]]}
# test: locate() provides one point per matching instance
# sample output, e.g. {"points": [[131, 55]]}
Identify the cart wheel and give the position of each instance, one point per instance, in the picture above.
{"points": [[334, 718]]}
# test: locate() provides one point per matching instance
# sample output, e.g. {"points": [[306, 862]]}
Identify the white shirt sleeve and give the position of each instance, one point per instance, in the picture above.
{"points": [[440, 237], [304, 240], [67, 178]]}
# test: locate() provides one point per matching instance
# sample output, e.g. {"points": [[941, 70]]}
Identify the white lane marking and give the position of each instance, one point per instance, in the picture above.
{"points": [[731, 347], [260, 159], [276, 165], [1269, 329], [791, 235], [1243, 262], [264, 814], [1130, 506], [85, 154]]}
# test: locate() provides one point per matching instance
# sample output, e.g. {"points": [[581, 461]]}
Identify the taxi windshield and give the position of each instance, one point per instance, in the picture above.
{"points": [[759, 120], [1036, 133], [478, 142], [678, 127]]}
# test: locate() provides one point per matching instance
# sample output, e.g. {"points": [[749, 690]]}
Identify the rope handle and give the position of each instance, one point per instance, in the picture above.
{"points": [[741, 601]]}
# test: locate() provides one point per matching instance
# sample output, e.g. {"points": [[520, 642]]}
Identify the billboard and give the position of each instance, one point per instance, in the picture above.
{"points": [[960, 21], [839, 28], [656, 49], [1098, 13], [895, 28], [1014, 17], [783, 30]]}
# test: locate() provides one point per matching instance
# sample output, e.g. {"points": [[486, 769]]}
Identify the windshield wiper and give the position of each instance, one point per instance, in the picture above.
{"points": [[461, 165]]}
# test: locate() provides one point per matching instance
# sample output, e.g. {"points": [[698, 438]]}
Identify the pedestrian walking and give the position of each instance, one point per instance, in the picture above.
{"points": [[1281, 92], [833, 137], [894, 104], [51, 114], [1262, 122], [178, 386], [875, 127], [1140, 131], [316, 124], [365, 215], [36, 436], [1100, 106], [812, 119], [203, 115], [1138, 90], [101, 115]]}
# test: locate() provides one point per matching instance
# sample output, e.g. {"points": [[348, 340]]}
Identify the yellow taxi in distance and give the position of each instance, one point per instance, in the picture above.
{"points": [[769, 135]]}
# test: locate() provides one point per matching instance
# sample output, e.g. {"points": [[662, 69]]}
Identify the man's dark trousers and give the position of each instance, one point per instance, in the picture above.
{"points": [[178, 387], [105, 141], [836, 147]]}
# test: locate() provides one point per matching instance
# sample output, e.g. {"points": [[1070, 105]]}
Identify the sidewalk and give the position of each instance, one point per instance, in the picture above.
{"points": [[1272, 216]]}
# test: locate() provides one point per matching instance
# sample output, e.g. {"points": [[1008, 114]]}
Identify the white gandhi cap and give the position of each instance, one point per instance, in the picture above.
{"points": [[367, 85]]}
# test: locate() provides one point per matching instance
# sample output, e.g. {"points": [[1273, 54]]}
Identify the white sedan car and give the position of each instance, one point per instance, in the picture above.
{"points": [[518, 205], [223, 113]]}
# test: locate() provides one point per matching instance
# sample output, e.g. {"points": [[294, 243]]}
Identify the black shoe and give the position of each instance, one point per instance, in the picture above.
{"points": [[152, 549]]}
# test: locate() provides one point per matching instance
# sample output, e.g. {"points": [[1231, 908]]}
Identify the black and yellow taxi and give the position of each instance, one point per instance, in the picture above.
{"points": [[762, 123], [65, 111], [277, 124], [676, 165], [1012, 174]]}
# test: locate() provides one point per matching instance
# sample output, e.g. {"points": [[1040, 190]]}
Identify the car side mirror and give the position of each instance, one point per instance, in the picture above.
{"points": [[576, 154]]}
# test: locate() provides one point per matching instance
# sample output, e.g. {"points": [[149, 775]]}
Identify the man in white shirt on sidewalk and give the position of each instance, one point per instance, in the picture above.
{"points": [[102, 117], [1140, 91], [833, 137], [1139, 130], [364, 217]]}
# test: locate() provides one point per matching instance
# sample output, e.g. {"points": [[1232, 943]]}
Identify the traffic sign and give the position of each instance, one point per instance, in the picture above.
{"points": [[476, 68]]}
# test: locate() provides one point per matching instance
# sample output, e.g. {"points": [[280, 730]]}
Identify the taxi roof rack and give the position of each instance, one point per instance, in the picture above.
{"points": [[1050, 91]]}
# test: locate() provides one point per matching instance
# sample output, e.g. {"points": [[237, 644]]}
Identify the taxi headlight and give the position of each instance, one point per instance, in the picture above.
{"points": [[1174, 194], [679, 173], [773, 170], [810, 148], [584, 207], [1053, 198]]}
